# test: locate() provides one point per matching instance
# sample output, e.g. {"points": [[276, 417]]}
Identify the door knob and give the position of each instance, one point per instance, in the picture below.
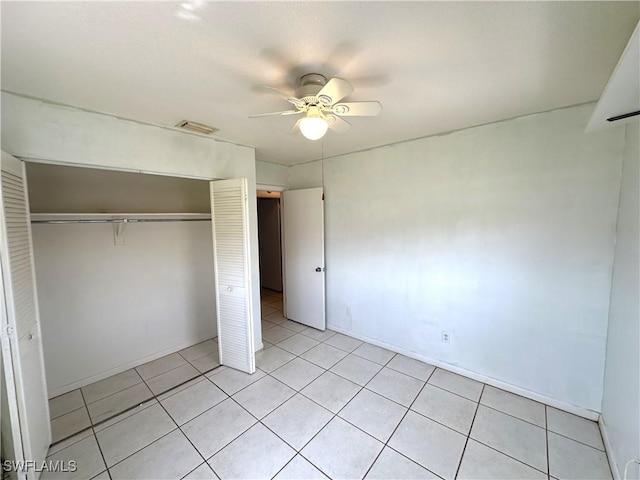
{"points": [[318, 269]]}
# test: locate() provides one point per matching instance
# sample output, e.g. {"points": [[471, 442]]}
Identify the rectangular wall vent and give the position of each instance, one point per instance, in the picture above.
{"points": [[196, 127]]}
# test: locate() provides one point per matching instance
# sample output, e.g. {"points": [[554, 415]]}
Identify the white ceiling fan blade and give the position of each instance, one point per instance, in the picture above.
{"points": [[295, 128], [285, 112], [357, 109], [284, 95], [335, 90], [337, 124]]}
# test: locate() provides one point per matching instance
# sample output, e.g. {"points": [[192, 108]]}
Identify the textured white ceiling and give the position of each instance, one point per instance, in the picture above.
{"points": [[435, 66]]}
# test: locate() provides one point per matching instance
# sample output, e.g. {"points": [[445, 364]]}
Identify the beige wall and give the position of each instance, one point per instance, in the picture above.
{"points": [[501, 235]]}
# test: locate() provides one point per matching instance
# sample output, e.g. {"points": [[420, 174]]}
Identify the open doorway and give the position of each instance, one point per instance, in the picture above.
{"points": [[270, 249], [291, 248]]}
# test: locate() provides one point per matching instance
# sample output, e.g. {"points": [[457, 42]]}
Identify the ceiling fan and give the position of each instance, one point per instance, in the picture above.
{"points": [[319, 100]]}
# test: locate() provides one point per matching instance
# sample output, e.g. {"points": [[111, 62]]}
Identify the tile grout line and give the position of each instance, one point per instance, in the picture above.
{"points": [[95, 437], [142, 381], [230, 397], [257, 421], [466, 442], [288, 361], [186, 436], [334, 415], [457, 394], [190, 362], [118, 391], [106, 396], [133, 407], [141, 448], [80, 389], [362, 388], [509, 456], [546, 436], [545, 428], [70, 411], [386, 444], [513, 416], [181, 386], [313, 464], [286, 464], [494, 448], [158, 402], [193, 470], [299, 452], [83, 430], [478, 403], [298, 392], [577, 441]]}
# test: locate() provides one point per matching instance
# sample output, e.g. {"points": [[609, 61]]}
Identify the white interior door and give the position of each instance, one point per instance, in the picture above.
{"points": [[303, 256], [234, 303], [23, 360]]}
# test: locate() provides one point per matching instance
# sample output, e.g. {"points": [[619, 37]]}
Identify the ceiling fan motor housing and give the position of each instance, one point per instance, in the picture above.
{"points": [[310, 85]]}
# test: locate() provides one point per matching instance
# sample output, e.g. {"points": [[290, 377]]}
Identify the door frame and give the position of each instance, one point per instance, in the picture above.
{"points": [[257, 325], [281, 189], [277, 188]]}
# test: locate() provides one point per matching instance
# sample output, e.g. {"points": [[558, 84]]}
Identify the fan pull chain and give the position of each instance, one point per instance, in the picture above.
{"points": [[322, 166]]}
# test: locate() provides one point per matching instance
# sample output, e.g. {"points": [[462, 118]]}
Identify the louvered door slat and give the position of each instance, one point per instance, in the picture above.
{"points": [[233, 292], [19, 250], [26, 359]]}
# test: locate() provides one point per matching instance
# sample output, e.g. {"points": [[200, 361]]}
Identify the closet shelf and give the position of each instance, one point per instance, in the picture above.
{"points": [[117, 217]]}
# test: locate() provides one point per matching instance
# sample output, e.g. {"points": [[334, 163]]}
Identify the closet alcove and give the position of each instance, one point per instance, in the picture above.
{"points": [[124, 269]]}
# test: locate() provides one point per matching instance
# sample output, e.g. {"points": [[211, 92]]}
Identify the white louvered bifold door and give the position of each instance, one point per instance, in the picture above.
{"points": [[229, 211], [22, 318]]}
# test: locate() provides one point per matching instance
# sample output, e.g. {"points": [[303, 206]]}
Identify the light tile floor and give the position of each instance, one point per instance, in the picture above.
{"points": [[321, 405], [76, 410]]}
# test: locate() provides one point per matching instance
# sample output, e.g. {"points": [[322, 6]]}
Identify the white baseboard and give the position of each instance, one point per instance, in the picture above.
{"points": [[259, 347], [552, 402], [607, 447], [83, 382]]}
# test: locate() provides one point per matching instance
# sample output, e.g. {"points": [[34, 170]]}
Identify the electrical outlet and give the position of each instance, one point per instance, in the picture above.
{"points": [[446, 338], [348, 312]]}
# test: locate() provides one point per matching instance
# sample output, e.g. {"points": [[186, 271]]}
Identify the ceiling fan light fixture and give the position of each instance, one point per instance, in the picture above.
{"points": [[313, 126], [317, 99]]}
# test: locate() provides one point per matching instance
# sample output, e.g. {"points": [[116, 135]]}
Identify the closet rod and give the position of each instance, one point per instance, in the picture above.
{"points": [[125, 220]]}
